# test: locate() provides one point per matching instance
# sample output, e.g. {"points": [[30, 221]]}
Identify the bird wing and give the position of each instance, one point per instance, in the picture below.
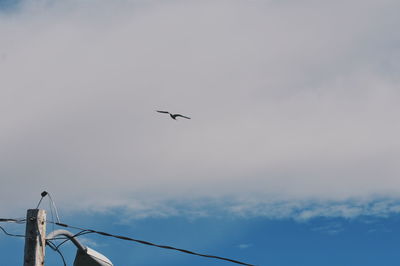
{"points": [[176, 115], [164, 112]]}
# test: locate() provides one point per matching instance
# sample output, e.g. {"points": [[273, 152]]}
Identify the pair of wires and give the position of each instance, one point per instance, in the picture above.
{"points": [[51, 203], [11, 220], [87, 231], [83, 231], [56, 249], [52, 206]]}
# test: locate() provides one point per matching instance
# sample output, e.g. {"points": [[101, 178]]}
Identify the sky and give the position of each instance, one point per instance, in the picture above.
{"points": [[291, 155]]}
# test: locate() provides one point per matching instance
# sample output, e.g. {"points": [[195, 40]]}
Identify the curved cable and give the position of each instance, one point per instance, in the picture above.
{"points": [[9, 234], [54, 205], [53, 247], [43, 194], [152, 244]]}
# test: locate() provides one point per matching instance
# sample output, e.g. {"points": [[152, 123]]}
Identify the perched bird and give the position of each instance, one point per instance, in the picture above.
{"points": [[173, 116]]}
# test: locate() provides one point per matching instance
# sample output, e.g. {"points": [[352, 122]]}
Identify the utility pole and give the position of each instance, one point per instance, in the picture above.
{"points": [[35, 240]]}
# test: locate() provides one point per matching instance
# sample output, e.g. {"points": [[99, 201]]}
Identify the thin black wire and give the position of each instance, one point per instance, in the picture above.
{"points": [[9, 234], [43, 194], [40, 201], [66, 239], [52, 216], [76, 235], [152, 244], [54, 205], [53, 247]]}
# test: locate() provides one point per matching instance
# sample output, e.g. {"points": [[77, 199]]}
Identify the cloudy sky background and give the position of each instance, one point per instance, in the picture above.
{"points": [[289, 101], [294, 107]]}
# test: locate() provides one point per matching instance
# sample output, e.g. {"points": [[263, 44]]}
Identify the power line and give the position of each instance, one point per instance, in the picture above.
{"points": [[56, 248], [151, 244], [66, 239], [12, 220], [84, 231], [9, 234]]}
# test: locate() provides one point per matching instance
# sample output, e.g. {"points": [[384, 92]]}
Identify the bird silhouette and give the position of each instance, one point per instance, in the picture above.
{"points": [[173, 116]]}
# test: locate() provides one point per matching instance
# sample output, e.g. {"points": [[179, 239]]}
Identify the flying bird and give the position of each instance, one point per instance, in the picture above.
{"points": [[173, 116]]}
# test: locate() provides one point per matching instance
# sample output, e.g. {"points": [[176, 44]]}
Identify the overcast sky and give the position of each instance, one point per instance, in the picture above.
{"points": [[293, 104]]}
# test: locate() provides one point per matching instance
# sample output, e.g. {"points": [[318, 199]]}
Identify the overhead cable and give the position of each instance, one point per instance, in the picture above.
{"points": [[55, 248], [9, 234], [152, 244], [12, 220]]}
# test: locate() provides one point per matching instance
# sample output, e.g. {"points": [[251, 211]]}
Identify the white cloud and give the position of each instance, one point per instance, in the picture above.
{"points": [[330, 228], [289, 102], [244, 246]]}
